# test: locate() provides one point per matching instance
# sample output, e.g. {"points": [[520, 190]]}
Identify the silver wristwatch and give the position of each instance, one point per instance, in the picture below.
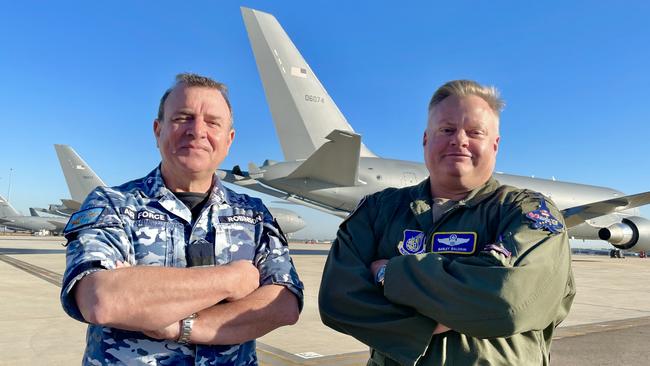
{"points": [[379, 278], [186, 329]]}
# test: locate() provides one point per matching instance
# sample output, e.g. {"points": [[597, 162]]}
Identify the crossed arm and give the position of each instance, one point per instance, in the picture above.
{"points": [[231, 307]]}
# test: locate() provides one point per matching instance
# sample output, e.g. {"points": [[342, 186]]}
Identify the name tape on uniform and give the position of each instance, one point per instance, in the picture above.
{"points": [[454, 243], [240, 219]]}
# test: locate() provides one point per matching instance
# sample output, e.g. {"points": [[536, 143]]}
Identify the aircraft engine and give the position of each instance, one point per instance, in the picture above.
{"points": [[632, 233]]}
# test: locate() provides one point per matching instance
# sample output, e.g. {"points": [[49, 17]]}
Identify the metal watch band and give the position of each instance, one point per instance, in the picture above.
{"points": [[186, 329], [380, 275]]}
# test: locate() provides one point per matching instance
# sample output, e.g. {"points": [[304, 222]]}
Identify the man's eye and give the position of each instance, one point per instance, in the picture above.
{"points": [[447, 130], [180, 119]]}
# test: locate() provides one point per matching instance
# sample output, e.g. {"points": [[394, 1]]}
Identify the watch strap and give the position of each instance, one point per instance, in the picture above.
{"points": [[186, 329]]}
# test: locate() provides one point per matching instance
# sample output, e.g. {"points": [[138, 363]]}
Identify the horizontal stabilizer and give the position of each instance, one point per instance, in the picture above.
{"points": [[243, 180], [336, 161], [71, 204], [576, 215]]}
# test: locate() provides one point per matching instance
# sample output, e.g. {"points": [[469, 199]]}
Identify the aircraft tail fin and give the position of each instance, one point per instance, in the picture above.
{"points": [[303, 112], [336, 161], [6, 209], [81, 179]]}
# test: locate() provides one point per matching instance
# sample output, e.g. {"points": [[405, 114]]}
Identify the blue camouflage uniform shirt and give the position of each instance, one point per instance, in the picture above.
{"points": [[143, 223]]}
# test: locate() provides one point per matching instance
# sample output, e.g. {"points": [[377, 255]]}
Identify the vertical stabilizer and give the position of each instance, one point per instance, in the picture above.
{"points": [[80, 178], [6, 209], [303, 113]]}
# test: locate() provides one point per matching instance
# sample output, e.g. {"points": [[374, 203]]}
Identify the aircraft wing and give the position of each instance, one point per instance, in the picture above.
{"points": [[574, 216], [242, 179]]}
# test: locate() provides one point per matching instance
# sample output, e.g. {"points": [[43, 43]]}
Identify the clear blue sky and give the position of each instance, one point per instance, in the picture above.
{"points": [[575, 76]]}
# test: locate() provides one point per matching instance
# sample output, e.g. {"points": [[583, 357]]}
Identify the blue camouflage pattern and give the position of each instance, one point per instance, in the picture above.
{"points": [[143, 223]]}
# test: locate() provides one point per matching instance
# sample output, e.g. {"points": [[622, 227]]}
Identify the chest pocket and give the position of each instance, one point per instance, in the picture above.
{"points": [[151, 242], [234, 241]]}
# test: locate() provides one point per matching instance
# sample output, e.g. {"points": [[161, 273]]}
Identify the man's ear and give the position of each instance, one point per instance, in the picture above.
{"points": [[156, 129], [424, 138]]}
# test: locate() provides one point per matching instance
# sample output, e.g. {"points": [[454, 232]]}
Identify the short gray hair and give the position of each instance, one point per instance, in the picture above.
{"points": [[189, 80], [463, 88]]}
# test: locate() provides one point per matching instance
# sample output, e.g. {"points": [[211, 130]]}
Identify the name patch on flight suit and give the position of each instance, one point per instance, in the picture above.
{"points": [[454, 243], [413, 242], [143, 215], [83, 218], [542, 219]]}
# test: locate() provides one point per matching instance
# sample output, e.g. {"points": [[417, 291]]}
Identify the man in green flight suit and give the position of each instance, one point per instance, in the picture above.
{"points": [[459, 269]]}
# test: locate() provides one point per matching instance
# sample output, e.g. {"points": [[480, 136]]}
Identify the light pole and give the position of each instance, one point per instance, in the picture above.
{"points": [[9, 190]]}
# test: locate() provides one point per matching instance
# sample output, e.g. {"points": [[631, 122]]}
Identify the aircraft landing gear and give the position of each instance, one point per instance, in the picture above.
{"points": [[616, 253]]}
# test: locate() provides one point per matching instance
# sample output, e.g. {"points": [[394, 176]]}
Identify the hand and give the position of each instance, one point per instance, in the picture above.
{"points": [[374, 266], [440, 328], [120, 264], [170, 332], [246, 279]]}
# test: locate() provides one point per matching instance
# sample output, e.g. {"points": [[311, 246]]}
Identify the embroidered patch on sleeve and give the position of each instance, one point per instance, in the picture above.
{"points": [[543, 219], [83, 218], [454, 243]]}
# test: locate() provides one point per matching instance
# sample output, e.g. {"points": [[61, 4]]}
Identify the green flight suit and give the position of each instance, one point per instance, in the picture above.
{"points": [[502, 301]]}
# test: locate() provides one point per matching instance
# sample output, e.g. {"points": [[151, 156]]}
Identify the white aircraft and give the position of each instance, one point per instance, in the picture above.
{"points": [[81, 180], [327, 166]]}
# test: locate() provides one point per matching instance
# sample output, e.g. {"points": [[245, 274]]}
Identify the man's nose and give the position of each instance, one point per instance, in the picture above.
{"points": [[460, 138], [197, 128]]}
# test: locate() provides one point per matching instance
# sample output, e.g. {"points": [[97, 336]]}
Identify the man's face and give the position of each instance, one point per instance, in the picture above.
{"points": [[461, 143], [195, 134]]}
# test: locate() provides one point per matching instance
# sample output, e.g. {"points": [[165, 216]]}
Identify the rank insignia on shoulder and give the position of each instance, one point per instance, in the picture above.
{"points": [[454, 243], [83, 218], [413, 243], [543, 219]]}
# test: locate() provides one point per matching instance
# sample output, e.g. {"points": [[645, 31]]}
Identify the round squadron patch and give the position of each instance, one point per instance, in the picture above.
{"points": [[412, 243]]}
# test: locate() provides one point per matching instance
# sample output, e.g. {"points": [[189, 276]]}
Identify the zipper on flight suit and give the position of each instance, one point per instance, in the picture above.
{"points": [[428, 245]]}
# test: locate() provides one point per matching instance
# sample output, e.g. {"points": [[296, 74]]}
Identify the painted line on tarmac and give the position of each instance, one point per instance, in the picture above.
{"points": [[40, 272], [271, 356], [268, 355], [580, 330]]}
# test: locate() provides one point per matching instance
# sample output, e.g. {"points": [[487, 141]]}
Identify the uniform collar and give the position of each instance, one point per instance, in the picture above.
{"points": [[421, 199], [155, 187]]}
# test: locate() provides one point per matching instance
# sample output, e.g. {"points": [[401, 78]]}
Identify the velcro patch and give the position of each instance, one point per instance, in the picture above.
{"points": [[454, 243], [240, 219], [543, 219], [83, 218], [412, 243]]}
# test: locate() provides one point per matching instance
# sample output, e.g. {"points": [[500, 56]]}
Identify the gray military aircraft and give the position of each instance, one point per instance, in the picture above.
{"points": [[81, 180], [11, 218], [327, 166]]}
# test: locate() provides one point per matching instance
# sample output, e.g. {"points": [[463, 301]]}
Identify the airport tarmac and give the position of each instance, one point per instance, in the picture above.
{"points": [[609, 323]]}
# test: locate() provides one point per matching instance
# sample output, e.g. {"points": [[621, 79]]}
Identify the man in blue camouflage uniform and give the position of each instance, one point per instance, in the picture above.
{"points": [[174, 268]]}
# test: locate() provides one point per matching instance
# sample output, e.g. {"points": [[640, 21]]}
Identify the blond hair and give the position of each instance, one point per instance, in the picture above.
{"points": [[463, 88]]}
